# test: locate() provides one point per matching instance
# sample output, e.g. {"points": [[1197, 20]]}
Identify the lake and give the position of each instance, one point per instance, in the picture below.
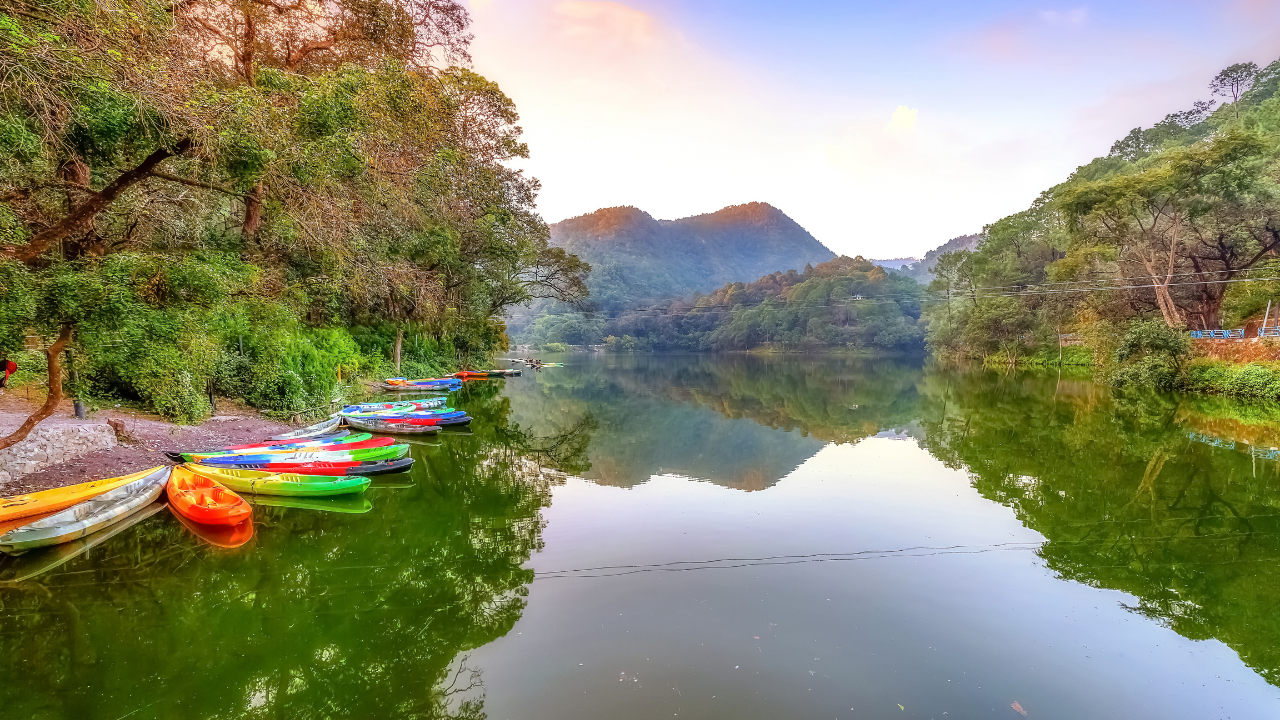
{"points": [[706, 536]]}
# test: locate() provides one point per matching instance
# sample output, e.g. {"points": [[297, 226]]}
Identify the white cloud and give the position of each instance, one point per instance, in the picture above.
{"points": [[1074, 16], [902, 120]]}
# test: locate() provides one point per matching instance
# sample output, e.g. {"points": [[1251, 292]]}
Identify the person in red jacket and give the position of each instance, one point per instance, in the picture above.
{"points": [[10, 367]]}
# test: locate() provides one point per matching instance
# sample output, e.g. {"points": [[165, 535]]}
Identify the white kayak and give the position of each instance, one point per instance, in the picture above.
{"points": [[319, 428], [87, 517]]}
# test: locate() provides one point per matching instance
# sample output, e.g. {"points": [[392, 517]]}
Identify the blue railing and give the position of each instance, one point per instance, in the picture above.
{"points": [[1269, 331], [1220, 334]]}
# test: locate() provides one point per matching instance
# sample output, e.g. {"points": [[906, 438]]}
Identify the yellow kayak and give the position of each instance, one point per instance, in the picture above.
{"points": [[50, 501]]}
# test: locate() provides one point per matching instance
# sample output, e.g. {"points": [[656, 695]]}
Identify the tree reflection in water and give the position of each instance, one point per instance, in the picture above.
{"points": [[321, 615], [1126, 500]]}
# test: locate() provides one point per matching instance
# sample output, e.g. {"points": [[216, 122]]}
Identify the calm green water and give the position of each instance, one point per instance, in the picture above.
{"points": [[731, 537]]}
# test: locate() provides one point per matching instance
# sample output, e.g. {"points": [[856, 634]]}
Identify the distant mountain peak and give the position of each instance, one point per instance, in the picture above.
{"points": [[649, 259]]}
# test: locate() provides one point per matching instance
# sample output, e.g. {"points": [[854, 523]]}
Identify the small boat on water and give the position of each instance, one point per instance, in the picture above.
{"points": [[424, 404], [341, 435], [389, 452], [382, 425], [320, 428], [354, 442], [483, 374], [205, 500], [51, 501], [370, 468], [85, 518], [259, 482], [368, 444]]}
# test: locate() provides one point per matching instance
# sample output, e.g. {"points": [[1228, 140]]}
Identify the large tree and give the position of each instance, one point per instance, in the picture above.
{"points": [[342, 149]]}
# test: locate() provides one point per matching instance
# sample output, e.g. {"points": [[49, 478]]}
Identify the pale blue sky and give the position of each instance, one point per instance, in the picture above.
{"points": [[883, 128]]}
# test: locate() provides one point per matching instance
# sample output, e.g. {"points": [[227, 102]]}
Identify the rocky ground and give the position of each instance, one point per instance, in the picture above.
{"points": [[144, 437]]}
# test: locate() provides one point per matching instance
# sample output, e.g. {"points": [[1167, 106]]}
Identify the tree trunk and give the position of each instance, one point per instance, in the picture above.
{"points": [[54, 354], [252, 212], [399, 341], [82, 216]]}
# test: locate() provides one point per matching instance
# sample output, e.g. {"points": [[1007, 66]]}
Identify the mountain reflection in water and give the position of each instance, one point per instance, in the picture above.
{"points": [[1171, 499]]}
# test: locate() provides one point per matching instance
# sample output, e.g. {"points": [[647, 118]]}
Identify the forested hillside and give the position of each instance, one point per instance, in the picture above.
{"points": [[1134, 249], [843, 303], [636, 259], [256, 196]]}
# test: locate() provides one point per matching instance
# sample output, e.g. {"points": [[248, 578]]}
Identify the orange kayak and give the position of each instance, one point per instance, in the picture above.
{"points": [[50, 501], [204, 500]]}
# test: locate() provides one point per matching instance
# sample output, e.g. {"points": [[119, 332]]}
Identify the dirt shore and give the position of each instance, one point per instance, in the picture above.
{"points": [[146, 436]]}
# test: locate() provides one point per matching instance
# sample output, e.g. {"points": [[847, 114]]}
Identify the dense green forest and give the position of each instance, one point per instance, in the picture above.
{"points": [[846, 302], [1133, 250], [638, 261], [257, 197]]}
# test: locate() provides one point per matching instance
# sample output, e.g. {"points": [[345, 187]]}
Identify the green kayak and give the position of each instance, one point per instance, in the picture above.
{"points": [[257, 482]]}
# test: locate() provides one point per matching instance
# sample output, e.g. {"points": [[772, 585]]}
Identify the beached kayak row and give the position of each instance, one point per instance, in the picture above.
{"points": [[306, 468]]}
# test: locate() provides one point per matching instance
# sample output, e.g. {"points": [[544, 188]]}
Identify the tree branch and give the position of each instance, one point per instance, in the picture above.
{"points": [[54, 354], [196, 183], [82, 216]]}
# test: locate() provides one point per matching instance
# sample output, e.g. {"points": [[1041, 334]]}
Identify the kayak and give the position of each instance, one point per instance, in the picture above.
{"points": [[319, 428], [368, 468], [354, 442], [429, 422], [369, 444], [387, 387], [385, 407], [39, 562], [223, 536], [482, 374], [205, 501], [347, 504], [421, 381], [50, 501], [384, 426], [341, 435], [390, 452], [259, 482], [422, 415], [426, 404], [90, 516]]}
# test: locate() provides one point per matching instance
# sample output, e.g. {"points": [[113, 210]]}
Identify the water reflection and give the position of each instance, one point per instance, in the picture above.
{"points": [[324, 614], [370, 607], [1127, 496]]}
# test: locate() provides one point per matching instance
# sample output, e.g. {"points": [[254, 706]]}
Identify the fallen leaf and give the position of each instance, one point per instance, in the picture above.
{"points": [[1018, 707], [900, 707]]}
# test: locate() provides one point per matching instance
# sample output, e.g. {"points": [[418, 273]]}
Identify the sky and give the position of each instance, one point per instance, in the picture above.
{"points": [[884, 128]]}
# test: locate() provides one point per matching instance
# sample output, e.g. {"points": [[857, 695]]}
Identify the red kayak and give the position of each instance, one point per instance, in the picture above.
{"points": [[370, 443], [460, 420], [368, 467]]}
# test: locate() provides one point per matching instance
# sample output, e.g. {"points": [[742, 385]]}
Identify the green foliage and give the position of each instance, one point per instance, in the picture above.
{"points": [[847, 302], [1154, 339], [555, 347], [1250, 380], [262, 206]]}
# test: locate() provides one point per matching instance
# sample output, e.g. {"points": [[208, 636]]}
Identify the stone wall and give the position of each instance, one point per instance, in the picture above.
{"points": [[47, 446]]}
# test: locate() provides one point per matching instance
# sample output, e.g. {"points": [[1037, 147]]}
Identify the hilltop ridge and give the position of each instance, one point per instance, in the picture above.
{"points": [[637, 259]]}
